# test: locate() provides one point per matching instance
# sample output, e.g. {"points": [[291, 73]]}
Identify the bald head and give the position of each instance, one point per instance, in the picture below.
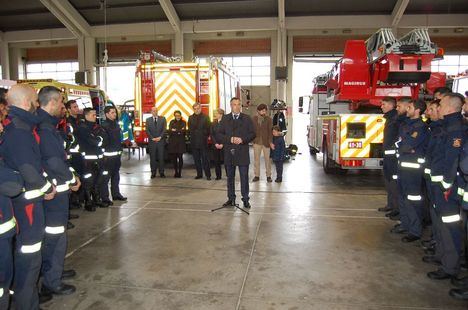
{"points": [[23, 96]]}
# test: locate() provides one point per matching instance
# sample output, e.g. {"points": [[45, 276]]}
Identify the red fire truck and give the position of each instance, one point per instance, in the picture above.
{"points": [[346, 124]]}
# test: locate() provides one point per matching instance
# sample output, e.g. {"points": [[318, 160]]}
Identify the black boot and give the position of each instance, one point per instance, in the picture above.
{"points": [[89, 204], [97, 199]]}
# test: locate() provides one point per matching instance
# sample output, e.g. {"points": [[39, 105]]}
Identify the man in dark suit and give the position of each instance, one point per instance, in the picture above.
{"points": [[199, 129], [156, 131], [235, 132]]}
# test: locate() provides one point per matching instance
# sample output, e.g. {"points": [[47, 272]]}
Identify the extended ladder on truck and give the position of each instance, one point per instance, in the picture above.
{"points": [[345, 120]]}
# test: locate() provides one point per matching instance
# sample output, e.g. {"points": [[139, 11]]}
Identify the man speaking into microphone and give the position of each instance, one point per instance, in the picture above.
{"points": [[235, 132]]}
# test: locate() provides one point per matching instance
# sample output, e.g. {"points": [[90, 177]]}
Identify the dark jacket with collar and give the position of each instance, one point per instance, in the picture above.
{"points": [[54, 157], [90, 143], [155, 130], [21, 152], [199, 130], [236, 155], [111, 130], [11, 184]]}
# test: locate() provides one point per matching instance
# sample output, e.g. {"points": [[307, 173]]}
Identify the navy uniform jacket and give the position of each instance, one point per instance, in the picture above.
{"points": [[11, 185], [413, 135], [112, 137], [90, 144], [446, 155], [391, 129], [464, 171], [20, 151], [243, 127], [72, 128], [54, 157], [435, 134]]}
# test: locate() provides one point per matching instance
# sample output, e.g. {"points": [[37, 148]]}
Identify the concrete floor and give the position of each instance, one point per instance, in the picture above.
{"points": [[313, 242]]}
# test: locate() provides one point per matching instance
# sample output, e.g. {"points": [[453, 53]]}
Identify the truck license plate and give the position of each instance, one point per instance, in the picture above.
{"points": [[355, 145]]}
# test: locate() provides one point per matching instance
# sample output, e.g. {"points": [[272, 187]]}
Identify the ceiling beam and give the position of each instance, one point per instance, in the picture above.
{"points": [[398, 11], [68, 16], [171, 14]]}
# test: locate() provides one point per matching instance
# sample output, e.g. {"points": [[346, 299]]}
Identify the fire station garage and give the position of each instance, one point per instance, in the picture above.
{"points": [[233, 154]]}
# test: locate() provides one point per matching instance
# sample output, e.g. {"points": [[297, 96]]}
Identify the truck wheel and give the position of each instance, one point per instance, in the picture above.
{"points": [[328, 164]]}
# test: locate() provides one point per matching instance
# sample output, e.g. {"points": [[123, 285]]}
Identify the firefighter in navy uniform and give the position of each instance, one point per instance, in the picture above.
{"points": [[25, 157], [112, 154], [92, 154], [461, 292], [11, 185], [54, 159], [413, 135], [390, 163], [433, 246], [75, 160], [444, 169]]}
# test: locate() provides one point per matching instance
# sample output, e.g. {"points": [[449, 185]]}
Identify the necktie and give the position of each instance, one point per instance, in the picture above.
{"points": [[236, 116]]}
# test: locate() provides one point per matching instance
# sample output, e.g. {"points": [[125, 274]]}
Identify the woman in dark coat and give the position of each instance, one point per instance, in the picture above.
{"points": [[218, 152], [176, 146]]}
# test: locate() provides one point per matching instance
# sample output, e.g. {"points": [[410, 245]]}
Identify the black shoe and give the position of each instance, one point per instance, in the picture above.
{"points": [[439, 274], [255, 179], [162, 175], [90, 207], [229, 203], [431, 260], [410, 238], [247, 205], [107, 201], [384, 209], [218, 178], [461, 294], [62, 289], [397, 229], [68, 274], [73, 216], [208, 178], [428, 243], [279, 180], [119, 197], [392, 213], [103, 203], [43, 297], [269, 180], [463, 282], [198, 177], [70, 225], [395, 217], [153, 175]]}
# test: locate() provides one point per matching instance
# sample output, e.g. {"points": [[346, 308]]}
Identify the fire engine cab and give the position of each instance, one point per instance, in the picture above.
{"points": [[345, 120], [170, 85]]}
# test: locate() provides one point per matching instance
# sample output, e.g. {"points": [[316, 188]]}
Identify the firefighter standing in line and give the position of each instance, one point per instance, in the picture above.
{"points": [[461, 292], [433, 247], [25, 157], [390, 163], [91, 151], [413, 135], [444, 169], [56, 210], [76, 160], [112, 154], [11, 185]]}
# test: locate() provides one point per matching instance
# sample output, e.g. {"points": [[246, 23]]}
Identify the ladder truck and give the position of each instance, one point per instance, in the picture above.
{"points": [[346, 123]]}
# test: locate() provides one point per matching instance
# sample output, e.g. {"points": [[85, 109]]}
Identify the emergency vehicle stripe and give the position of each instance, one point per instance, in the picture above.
{"points": [[175, 91], [374, 134], [7, 226]]}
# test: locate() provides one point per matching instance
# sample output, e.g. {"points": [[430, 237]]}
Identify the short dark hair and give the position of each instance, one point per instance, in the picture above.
{"points": [[406, 100], [456, 100], [3, 101], [108, 108], [69, 103], [46, 94], [419, 105], [261, 107], [86, 111], [389, 99], [177, 112], [442, 90], [276, 128], [234, 98], [435, 102]]}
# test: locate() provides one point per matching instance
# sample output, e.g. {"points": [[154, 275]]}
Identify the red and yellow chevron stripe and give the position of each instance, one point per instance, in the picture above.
{"points": [[360, 148], [175, 90]]}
